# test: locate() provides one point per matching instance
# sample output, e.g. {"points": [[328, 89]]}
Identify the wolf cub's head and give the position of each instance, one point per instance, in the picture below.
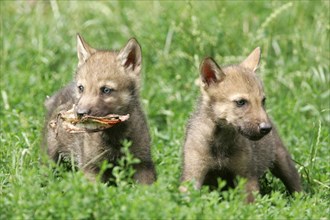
{"points": [[106, 81], [234, 96]]}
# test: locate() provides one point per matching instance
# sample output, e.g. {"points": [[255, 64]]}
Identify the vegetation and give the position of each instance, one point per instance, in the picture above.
{"points": [[38, 56]]}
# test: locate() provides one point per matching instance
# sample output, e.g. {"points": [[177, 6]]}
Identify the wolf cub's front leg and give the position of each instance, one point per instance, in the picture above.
{"points": [[251, 186], [195, 167], [284, 168], [145, 173]]}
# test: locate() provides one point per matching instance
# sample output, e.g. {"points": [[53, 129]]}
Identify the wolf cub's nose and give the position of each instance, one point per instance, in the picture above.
{"points": [[265, 128], [81, 112]]}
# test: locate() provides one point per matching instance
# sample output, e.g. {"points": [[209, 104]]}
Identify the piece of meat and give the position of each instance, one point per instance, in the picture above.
{"points": [[87, 123]]}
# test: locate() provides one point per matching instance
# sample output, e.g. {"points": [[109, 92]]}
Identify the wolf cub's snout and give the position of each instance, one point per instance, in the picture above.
{"points": [[230, 133]]}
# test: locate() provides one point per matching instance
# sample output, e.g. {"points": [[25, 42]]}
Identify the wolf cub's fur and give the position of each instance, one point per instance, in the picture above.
{"points": [[106, 82], [230, 132]]}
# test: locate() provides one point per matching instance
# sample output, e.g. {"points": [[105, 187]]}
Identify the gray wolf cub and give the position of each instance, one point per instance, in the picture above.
{"points": [[230, 133], [106, 82]]}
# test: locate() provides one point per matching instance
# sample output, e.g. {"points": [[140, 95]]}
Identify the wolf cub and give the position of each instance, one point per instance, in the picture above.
{"points": [[106, 82], [230, 133]]}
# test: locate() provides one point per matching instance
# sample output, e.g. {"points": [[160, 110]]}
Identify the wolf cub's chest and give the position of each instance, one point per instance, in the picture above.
{"points": [[229, 150], [101, 140]]}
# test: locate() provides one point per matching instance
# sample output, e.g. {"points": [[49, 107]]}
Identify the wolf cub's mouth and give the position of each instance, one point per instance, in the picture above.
{"points": [[251, 135]]}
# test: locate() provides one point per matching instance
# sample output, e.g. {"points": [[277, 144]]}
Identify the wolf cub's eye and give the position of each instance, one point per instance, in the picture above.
{"points": [[80, 88], [240, 102], [106, 90]]}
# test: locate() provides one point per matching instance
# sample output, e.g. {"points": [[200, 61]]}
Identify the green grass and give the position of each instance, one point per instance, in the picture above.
{"points": [[38, 56]]}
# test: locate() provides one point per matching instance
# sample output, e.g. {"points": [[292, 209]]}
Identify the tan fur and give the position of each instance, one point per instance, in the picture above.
{"points": [[120, 73], [226, 138]]}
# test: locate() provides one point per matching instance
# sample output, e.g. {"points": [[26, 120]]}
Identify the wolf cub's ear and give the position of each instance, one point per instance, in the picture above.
{"points": [[84, 51], [252, 61], [210, 72], [130, 57]]}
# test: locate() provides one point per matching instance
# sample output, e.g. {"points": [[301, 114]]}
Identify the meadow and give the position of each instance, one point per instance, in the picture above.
{"points": [[38, 57]]}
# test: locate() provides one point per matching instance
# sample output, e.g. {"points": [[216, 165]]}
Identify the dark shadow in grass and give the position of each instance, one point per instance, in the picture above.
{"points": [[228, 184]]}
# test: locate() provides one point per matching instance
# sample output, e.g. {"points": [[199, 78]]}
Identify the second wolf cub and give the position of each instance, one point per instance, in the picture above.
{"points": [[230, 133]]}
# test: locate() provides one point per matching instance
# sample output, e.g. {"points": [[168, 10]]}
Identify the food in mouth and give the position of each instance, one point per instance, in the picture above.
{"points": [[87, 123]]}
